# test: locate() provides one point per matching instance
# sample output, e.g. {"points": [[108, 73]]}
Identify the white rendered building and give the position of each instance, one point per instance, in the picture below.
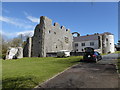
{"points": [[103, 43]]}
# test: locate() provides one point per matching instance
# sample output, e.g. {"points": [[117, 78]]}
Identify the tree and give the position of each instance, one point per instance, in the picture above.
{"points": [[4, 48], [18, 41]]}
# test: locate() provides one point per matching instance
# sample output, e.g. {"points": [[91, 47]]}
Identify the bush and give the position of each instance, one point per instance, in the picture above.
{"points": [[3, 56]]}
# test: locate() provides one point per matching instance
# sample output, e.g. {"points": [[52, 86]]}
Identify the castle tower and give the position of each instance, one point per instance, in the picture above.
{"points": [[49, 38]]}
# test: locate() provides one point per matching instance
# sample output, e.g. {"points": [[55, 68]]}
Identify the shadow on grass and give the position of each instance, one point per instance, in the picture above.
{"points": [[19, 82], [76, 61]]}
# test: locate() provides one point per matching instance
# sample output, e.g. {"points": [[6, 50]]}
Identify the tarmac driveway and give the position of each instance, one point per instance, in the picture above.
{"points": [[87, 75]]}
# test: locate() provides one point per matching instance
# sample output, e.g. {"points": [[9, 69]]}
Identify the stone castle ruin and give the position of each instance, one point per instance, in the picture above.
{"points": [[14, 53], [48, 38]]}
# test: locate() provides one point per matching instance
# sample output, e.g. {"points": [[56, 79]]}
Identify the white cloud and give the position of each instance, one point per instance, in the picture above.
{"points": [[7, 35], [31, 18], [4, 19], [15, 34], [24, 33], [17, 22]]}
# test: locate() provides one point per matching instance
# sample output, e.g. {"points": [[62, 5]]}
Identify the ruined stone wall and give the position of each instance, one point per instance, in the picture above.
{"points": [[14, 53], [56, 38], [26, 48], [49, 38]]}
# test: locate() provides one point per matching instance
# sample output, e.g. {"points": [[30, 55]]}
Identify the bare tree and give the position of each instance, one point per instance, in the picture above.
{"points": [[18, 41], [4, 47]]}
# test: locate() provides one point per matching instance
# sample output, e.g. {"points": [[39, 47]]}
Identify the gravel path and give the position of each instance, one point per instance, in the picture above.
{"points": [[87, 75]]}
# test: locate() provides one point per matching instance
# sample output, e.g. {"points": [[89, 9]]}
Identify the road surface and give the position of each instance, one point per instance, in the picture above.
{"points": [[87, 75]]}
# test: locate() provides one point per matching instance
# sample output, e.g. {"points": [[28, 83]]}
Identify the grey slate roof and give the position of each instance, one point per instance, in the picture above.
{"points": [[89, 37], [86, 38]]}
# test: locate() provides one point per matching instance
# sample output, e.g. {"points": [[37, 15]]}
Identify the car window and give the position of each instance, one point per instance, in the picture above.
{"points": [[95, 53], [98, 53]]}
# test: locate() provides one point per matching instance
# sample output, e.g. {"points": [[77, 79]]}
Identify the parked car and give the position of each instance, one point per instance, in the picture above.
{"points": [[63, 53], [89, 49], [92, 56]]}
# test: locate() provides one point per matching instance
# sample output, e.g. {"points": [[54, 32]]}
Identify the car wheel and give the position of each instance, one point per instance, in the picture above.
{"points": [[96, 60]]}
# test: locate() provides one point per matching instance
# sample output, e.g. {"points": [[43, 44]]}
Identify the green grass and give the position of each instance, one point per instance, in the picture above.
{"points": [[29, 72], [103, 53], [117, 52], [119, 64]]}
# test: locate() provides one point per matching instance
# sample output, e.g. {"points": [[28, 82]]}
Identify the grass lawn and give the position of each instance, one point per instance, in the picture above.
{"points": [[29, 72], [103, 53], [117, 51], [119, 65]]}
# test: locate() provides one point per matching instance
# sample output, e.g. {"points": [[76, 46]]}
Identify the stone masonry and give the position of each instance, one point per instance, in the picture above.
{"points": [[48, 38], [14, 53]]}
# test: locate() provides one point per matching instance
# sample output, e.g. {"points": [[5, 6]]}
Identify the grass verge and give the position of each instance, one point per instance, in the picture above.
{"points": [[117, 51], [103, 53], [29, 72], [119, 64]]}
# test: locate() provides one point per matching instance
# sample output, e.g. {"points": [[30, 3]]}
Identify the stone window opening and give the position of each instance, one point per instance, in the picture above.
{"points": [[106, 39], [56, 46], [66, 29], [62, 27], [54, 24], [54, 32], [49, 31], [66, 39]]}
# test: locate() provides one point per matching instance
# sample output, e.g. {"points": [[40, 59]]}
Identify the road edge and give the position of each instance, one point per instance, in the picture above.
{"points": [[54, 76], [117, 70]]}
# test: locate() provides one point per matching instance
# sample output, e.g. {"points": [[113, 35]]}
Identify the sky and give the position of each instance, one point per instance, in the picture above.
{"points": [[83, 17]]}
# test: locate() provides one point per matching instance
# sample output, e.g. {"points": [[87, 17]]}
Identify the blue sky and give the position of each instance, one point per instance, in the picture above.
{"points": [[82, 17]]}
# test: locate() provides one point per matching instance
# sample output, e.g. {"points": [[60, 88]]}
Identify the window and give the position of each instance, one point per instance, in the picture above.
{"points": [[106, 39], [91, 43], [66, 39], [76, 44], [95, 53], [49, 31], [54, 24], [82, 44], [54, 32]]}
